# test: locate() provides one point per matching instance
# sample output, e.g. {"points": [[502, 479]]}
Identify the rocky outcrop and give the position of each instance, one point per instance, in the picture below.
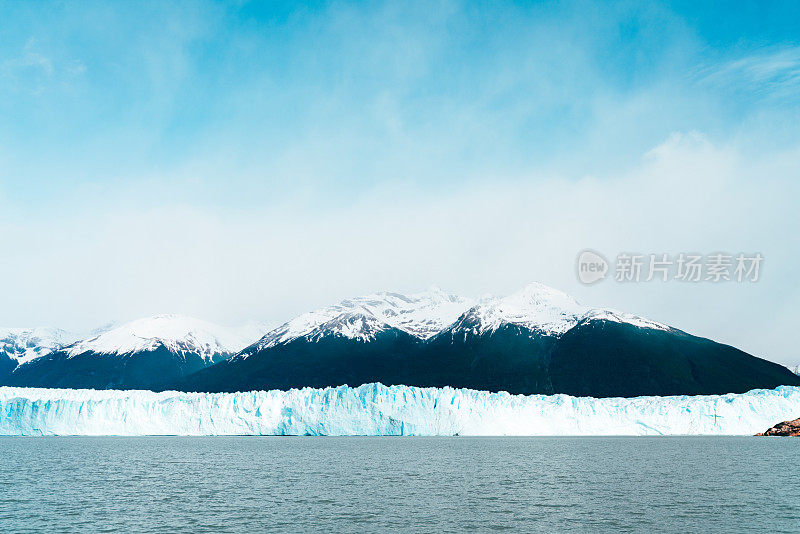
{"points": [[787, 428]]}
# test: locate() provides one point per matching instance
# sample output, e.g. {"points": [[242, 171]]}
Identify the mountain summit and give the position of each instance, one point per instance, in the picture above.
{"points": [[421, 315], [178, 334], [536, 307]]}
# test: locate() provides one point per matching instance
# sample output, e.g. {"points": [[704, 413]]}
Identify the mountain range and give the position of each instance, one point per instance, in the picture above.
{"points": [[143, 354], [538, 340]]}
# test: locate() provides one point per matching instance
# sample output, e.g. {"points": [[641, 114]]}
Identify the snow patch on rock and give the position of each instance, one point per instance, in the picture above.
{"points": [[26, 344], [620, 317]]}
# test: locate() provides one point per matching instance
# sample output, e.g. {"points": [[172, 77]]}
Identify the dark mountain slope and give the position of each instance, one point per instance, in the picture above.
{"points": [[606, 358], [151, 369], [328, 361], [595, 358]]}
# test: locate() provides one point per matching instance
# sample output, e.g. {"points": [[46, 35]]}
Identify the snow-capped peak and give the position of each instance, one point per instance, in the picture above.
{"points": [[795, 369], [177, 333], [421, 315], [536, 307], [26, 344], [542, 309]]}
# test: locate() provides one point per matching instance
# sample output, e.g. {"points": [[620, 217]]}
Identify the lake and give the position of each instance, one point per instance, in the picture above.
{"points": [[234, 484]]}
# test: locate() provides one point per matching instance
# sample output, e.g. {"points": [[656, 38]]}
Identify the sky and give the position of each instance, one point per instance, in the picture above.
{"points": [[254, 160]]}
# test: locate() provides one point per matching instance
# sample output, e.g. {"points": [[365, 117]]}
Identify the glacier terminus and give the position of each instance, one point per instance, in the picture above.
{"points": [[375, 409]]}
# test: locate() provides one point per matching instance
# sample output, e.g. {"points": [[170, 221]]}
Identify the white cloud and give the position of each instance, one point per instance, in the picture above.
{"points": [[774, 72], [34, 71], [29, 59]]}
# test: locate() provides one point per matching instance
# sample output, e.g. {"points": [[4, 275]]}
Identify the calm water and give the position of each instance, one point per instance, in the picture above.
{"points": [[161, 484]]}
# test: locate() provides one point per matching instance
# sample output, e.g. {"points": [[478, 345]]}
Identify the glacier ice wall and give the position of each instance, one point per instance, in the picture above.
{"points": [[374, 409]]}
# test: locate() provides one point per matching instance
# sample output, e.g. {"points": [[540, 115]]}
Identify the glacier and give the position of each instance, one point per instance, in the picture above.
{"points": [[375, 409]]}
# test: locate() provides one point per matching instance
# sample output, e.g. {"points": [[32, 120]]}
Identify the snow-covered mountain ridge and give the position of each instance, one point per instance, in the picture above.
{"points": [[536, 307], [26, 344], [178, 334], [422, 315]]}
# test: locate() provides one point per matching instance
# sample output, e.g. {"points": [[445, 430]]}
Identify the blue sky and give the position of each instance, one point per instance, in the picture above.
{"points": [[356, 94], [340, 148]]}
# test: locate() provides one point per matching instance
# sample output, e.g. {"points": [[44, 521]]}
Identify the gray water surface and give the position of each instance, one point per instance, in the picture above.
{"points": [[236, 484]]}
